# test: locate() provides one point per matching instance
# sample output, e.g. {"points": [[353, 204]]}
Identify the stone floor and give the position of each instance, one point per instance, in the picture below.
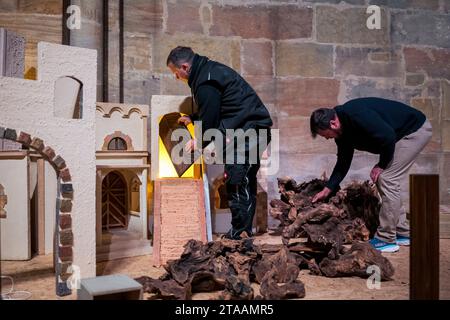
{"points": [[36, 276]]}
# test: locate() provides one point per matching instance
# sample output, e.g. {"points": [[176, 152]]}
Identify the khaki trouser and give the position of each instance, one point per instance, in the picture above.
{"points": [[392, 216]]}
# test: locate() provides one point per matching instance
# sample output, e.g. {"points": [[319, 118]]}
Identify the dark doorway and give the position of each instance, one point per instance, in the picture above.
{"points": [[114, 202]]}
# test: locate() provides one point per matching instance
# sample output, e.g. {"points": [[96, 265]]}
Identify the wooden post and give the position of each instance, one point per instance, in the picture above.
{"points": [[121, 51], [65, 30], [105, 50], [424, 251]]}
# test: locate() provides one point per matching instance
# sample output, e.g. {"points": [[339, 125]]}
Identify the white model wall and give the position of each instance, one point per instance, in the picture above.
{"points": [[15, 229], [28, 106]]}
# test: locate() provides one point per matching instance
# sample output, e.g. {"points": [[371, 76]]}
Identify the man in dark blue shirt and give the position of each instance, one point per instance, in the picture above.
{"points": [[395, 131]]}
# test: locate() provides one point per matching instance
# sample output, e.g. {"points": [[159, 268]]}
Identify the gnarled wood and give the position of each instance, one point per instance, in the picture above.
{"points": [[356, 261]]}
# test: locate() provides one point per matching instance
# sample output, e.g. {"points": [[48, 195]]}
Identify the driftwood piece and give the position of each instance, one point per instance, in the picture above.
{"points": [[272, 289], [278, 261], [362, 201], [286, 184], [166, 290], [354, 230], [314, 215], [355, 209], [328, 235], [356, 261], [237, 289], [279, 204], [277, 274], [192, 260], [269, 248], [221, 269], [241, 264], [205, 281]]}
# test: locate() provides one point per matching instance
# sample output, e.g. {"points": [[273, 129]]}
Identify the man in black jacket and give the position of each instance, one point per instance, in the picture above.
{"points": [[226, 101], [395, 131]]}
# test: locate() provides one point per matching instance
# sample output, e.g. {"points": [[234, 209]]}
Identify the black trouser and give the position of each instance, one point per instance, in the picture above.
{"points": [[241, 184], [242, 197]]}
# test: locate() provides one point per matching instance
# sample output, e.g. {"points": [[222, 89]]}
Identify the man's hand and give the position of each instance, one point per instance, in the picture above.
{"points": [[190, 146], [375, 173], [185, 120], [322, 195]]}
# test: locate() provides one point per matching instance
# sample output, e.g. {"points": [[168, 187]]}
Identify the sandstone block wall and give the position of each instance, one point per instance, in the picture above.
{"points": [[298, 55]]}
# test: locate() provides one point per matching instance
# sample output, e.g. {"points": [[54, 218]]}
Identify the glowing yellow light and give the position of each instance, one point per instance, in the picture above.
{"points": [[166, 167]]}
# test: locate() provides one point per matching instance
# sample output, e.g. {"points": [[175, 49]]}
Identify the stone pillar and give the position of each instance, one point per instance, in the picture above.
{"points": [[12, 54], [90, 35]]}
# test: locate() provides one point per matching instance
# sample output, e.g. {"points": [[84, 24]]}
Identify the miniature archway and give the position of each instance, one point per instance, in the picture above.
{"points": [[114, 141], [63, 253], [114, 201]]}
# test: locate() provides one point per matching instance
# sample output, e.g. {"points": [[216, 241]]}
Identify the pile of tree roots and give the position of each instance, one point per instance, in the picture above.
{"points": [[329, 238]]}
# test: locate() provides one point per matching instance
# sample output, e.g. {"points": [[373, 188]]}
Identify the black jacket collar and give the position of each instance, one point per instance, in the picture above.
{"points": [[197, 64]]}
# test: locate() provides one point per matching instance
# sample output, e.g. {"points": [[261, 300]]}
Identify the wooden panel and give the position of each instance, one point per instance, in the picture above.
{"points": [[424, 251]]}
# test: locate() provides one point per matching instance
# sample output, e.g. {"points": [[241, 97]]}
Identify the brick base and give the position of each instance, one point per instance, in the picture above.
{"points": [[179, 216]]}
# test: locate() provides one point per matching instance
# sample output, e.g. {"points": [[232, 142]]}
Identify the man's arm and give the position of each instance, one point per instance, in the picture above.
{"points": [[209, 99], [344, 160], [381, 132]]}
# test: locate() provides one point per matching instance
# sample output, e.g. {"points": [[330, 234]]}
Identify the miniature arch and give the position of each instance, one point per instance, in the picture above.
{"points": [[116, 137], [115, 109], [131, 111], [63, 252]]}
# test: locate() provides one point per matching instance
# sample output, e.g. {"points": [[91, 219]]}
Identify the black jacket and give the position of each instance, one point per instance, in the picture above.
{"points": [[224, 99], [373, 125]]}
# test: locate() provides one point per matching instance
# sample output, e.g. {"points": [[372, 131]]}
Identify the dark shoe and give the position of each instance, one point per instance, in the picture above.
{"points": [[231, 235]]}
